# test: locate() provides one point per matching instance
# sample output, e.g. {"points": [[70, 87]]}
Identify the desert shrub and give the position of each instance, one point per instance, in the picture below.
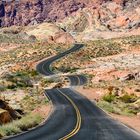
{"points": [[108, 98], [9, 129], [67, 69], [18, 80], [132, 40], [130, 110], [11, 86], [33, 73], [28, 121], [106, 106], [2, 88], [12, 30], [17, 126], [128, 98]]}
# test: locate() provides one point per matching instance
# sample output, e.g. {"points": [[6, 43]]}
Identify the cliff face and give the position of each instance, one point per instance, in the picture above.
{"points": [[24, 12], [27, 12]]}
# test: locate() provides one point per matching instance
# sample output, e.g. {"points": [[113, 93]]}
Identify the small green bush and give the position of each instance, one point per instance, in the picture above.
{"points": [[128, 98], [130, 111], [109, 98]]}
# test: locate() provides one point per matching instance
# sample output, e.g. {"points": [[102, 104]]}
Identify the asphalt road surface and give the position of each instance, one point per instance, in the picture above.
{"points": [[75, 117]]}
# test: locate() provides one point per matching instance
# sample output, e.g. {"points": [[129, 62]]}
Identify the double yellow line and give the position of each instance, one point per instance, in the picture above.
{"points": [[78, 123]]}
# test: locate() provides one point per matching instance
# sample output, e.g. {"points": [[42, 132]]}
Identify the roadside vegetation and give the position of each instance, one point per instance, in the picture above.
{"points": [[21, 86], [17, 126], [23, 90], [124, 104], [32, 86], [119, 97]]}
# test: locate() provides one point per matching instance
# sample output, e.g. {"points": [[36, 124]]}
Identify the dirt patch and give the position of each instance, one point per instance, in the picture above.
{"points": [[92, 94], [43, 110], [5, 47], [128, 121]]}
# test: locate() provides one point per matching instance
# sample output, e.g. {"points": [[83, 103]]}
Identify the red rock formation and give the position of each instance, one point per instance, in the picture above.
{"points": [[36, 11], [24, 12]]}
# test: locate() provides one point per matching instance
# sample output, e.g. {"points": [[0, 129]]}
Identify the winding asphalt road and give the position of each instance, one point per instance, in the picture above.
{"points": [[75, 117]]}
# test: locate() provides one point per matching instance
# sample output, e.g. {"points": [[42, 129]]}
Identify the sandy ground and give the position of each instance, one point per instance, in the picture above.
{"points": [[133, 122], [5, 47], [43, 110], [93, 35], [95, 94], [92, 94]]}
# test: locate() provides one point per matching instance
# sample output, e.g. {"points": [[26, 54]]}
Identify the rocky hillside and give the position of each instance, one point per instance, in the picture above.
{"points": [[24, 12]]}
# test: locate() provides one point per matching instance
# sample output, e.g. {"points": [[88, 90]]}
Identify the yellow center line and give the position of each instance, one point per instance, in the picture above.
{"points": [[78, 123]]}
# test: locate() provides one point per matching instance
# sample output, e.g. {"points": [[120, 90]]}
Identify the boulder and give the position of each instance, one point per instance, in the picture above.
{"points": [[63, 37], [51, 33], [131, 76], [4, 116], [7, 108]]}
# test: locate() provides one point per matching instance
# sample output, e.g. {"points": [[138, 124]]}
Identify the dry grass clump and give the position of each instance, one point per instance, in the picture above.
{"points": [[17, 126]]}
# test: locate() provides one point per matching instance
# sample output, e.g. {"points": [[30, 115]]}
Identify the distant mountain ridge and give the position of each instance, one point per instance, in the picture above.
{"points": [[24, 12]]}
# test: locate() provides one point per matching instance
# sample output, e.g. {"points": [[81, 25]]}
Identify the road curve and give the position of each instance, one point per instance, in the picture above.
{"points": [[45, 66], [77, 80], [74, 116]]}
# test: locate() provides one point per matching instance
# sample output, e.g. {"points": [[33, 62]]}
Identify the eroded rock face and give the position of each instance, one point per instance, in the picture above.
{"points": [[5, 106], [24, 12], [2, 10], [27, 12], [110, 16], [6, 112]]}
